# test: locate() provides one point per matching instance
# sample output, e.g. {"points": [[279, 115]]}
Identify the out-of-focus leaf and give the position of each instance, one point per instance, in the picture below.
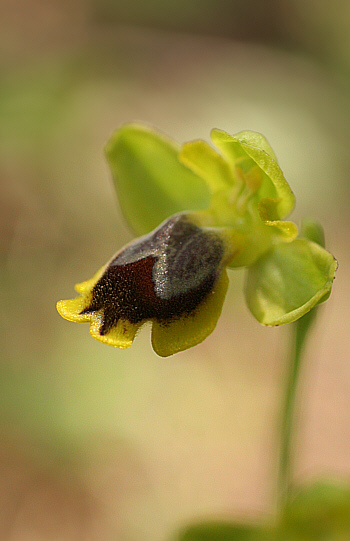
{"points": [[320, 512], [221, 531]]}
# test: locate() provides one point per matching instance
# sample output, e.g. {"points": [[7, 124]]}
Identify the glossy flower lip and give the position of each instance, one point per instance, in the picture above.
{"points": [[168, 277]]}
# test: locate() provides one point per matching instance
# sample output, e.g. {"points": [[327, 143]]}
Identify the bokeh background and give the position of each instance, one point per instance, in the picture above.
{"points": [[98, 443]]}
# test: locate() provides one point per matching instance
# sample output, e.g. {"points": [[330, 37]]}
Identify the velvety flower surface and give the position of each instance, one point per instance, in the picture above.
{"points": [[216, 209], [174, 277]]}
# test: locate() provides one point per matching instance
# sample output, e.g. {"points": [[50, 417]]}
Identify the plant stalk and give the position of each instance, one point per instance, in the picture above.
{"points": [[300, 331]]}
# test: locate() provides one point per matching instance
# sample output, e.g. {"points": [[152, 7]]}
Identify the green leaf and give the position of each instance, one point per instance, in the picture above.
{"points": [[150, 181], [288, 281], [320, 512], [254, 146], [224, 531], [317, 513]]}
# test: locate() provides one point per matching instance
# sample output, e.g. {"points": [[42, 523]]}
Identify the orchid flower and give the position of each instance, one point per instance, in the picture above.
{"points": [[198, 211]]}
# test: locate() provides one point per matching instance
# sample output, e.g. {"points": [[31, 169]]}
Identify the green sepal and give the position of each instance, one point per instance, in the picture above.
{"points": [[285, 283], [150, 181], [255, 147], [313, 230]]}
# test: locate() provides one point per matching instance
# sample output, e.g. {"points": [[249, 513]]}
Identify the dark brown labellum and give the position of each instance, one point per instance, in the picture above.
{"points": [[160, 276]]}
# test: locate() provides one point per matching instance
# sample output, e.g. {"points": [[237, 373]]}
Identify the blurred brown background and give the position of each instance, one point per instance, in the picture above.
{"points": [[98, 443]]}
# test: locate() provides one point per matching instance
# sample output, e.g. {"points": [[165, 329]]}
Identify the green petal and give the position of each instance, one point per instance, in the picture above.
{"points": [[254, 146], [205, 162], [288, 281], [150, 181], [189, 330]]}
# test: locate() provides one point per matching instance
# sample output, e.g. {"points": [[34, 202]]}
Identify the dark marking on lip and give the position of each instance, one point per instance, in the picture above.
{"points": [[127, 292], [170, 259]]}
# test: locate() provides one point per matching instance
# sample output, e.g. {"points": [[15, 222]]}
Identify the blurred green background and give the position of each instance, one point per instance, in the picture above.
{"points": [[98, 443]]}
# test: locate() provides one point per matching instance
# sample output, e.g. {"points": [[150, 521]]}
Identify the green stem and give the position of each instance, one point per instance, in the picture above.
{"points": [[311, 230], [300, 331]]}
